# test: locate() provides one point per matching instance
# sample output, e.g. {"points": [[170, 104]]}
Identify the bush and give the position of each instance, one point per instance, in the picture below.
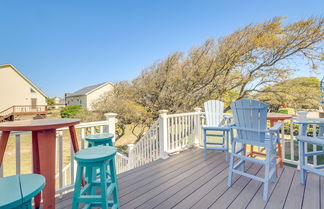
{"points": [[70, 111], [287, 110]]}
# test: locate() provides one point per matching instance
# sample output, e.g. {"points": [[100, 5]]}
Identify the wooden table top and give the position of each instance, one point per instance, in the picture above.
{"points": [[36, 125], [279, 116]]}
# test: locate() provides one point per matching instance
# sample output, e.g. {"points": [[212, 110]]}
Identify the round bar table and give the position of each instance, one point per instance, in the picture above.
{"points": [[44, 148]]}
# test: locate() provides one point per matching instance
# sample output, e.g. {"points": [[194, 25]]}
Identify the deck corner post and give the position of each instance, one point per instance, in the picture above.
{"points": [[197, 126], [163, 134], [111, 118], [130, 156]]}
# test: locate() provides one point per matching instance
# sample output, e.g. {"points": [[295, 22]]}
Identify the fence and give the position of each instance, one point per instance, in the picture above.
{"points": [[170, 133]]}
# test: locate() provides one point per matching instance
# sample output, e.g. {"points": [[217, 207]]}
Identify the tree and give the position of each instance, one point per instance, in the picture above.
{"points": [[227, 69], [303, 92], [130, 113], [70, 111], [238, 65], [50, 101]]}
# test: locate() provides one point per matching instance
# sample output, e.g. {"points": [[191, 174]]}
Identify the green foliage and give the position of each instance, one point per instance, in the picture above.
{"points": [[70, 111], [287, 110], [302, 92], [50, 101]]}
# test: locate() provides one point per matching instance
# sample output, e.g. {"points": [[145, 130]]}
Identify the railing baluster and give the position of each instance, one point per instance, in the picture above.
{"points": [[283, 141], [82, 138], [72, 163], [314, 146], [292, 154], [18, 152], [60, 156]]}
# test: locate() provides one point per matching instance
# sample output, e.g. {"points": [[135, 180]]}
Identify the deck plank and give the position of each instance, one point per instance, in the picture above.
{"points": [[194, 197], [312, 192], [243, 199], [322, 192], [215, 168], [151, 168], [257, 200], [134, 182], [296, 193], [279, 195], [220, 189], [229, 196], [191, 188], [141, 195]]}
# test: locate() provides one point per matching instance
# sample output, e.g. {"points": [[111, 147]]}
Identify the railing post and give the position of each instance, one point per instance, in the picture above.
{"points": [[163, 134], [130, 156], [197, 126], [111, 118]]}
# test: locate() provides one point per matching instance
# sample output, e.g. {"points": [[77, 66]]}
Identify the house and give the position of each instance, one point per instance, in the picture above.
{"points": [[59, 102], [18, 95], [87, 95]]}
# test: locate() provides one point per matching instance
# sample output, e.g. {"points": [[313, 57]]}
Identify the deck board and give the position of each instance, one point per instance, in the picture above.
{"points": [[185, 180], [295, 196], [312, 193]]}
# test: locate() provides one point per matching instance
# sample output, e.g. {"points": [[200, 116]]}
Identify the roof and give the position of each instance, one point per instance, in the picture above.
{"points": [[24, 77], [87, 90]]}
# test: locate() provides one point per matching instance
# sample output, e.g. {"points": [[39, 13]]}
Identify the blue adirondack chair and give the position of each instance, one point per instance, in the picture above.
{"points": [[303, 141], [215, 122], [250, 118]]}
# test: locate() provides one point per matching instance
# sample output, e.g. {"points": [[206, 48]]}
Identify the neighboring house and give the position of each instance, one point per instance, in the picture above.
{"points": [[86, 96], [18, 94], [59, 102]]}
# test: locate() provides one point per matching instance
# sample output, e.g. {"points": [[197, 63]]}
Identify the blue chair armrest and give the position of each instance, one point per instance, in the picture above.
{"points": [[276, 127]]}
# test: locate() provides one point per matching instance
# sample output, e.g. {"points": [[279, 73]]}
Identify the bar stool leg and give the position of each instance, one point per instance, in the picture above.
{"points": [[103, 182], [113, 177], [77, 187]]}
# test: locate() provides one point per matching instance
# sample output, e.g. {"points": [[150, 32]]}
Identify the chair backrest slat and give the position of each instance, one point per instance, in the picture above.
{"points": [[214, 112], [250, 114]]}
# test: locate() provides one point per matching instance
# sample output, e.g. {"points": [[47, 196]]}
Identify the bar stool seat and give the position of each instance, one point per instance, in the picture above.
{"points": [[18, 191], [92, 159], [100, 139]]}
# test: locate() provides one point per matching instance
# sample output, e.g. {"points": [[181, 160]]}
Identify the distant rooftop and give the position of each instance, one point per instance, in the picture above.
{"points": [[86, 90]]}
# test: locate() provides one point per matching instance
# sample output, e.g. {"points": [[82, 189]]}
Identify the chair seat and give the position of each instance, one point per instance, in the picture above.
{"points": [[311, 140], [95, 154], [215, 128], [101, 137], [19, 189]]}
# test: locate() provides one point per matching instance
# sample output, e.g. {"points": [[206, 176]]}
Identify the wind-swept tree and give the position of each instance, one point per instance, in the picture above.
{"points": [[230, 68]]}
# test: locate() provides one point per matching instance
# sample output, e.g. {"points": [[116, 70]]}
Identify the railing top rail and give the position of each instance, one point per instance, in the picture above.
{"points": [[6, 110], [183, 114], [29, 106]]}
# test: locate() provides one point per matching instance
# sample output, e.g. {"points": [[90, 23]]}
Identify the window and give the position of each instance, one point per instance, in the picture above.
{"points": [[32, 90], [80, 101]]}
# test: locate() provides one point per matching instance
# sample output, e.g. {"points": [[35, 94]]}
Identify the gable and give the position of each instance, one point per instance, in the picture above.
{"points": [[33, 86]]}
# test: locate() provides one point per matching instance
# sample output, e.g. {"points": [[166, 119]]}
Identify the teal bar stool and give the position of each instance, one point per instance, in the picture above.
{"points": [[93, 158], [18, 191], [104, 139], [100, 139]]}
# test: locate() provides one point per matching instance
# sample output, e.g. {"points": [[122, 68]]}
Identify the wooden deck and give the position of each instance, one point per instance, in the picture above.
{"points": [[185, 180]]}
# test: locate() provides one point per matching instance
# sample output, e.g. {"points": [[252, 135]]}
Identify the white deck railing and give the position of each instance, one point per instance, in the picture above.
{"points": [[170, 133]]}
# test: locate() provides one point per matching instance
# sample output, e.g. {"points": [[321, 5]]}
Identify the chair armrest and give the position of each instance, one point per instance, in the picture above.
{"points": [[276, 127], [230, 125]]}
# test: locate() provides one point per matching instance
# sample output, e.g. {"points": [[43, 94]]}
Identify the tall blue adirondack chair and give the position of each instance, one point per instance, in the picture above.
{"points": [[250, 118], [303, 141], [215, 121]]}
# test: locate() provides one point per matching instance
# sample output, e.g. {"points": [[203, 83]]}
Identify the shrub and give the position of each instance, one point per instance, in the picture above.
{"points": [[70, 111], [287, 110]]}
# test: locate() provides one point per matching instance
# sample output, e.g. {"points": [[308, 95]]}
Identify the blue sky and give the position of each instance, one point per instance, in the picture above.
{"points": [[65, 45]]}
